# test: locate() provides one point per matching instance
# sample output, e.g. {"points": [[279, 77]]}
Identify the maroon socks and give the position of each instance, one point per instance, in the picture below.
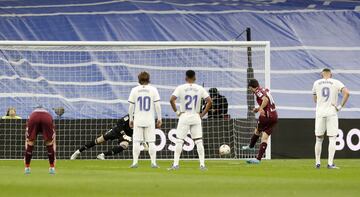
{"points": [[28, 155], [262, 149], [51, 155], [253, 140]]}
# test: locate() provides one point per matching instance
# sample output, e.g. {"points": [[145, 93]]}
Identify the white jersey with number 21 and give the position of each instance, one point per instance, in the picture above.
{"points": [[190, 95], [327, 91]]}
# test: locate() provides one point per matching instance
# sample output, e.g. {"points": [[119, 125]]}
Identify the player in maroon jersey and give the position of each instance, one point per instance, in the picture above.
{"points": [[267, 119], [40, 121]]}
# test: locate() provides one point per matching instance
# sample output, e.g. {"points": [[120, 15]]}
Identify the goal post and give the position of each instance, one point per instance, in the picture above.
{"points": [[91, 80]]}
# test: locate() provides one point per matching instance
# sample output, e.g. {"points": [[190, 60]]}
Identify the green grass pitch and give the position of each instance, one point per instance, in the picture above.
{"points": [[224, 178]]}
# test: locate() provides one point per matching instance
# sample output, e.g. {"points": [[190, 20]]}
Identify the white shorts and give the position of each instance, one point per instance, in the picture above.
{"points": [[144, 134], [189, 123], [330, 124]]}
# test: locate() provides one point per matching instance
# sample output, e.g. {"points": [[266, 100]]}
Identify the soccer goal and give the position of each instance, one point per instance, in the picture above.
{"points": [[91, 82]]}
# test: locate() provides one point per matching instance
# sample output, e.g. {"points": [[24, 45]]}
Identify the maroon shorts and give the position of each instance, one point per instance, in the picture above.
{"points": [[266, 124], [40, 122]]}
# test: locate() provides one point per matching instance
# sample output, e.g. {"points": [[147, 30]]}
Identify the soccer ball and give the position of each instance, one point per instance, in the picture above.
{"points": [[224, 149]]}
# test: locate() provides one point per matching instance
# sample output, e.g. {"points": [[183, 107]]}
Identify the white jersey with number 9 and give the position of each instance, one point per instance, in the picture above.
{"points": [[327, 91]]}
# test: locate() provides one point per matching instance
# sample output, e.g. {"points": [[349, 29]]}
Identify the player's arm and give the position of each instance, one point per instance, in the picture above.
{"points": [[173, 105], [158, 109], [131, 115], [158, 114], [346, 94], [131, 101], [265, 101], [314, 92], [208, 105], [173, 98]]}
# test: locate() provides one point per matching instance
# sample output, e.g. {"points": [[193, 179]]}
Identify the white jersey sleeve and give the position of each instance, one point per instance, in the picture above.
{"points": [[314, 88], [176, 92], [339, 85], [204, 94], [156, 95], [131, 98]]}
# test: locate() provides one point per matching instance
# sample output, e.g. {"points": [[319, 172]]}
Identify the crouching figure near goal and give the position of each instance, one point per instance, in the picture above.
{"points": [[121, 132], [267, 119], [40, 121]]}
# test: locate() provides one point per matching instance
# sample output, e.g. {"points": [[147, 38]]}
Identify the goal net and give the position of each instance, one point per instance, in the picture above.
{"points": [[91, 81]]}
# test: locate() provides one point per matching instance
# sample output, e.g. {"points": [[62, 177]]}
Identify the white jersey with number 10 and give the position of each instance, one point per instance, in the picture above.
{"points": [[144, 97], [326, 91], [189, 96]]}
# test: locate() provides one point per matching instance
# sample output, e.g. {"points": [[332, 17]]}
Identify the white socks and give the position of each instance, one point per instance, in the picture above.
{"points": [[152, 152], [318, 146], [201, 151], [177, 153], [136, 152], [331, 150], [332, 146]]}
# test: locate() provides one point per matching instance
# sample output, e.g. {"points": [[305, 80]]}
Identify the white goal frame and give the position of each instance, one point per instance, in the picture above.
{"points": [[264, 44]]}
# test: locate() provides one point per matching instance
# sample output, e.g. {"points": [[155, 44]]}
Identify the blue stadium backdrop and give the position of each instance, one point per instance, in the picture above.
{"points": [[305, 36]]}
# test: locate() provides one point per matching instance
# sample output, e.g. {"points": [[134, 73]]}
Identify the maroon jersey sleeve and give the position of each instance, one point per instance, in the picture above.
{"points": [[270, 107], [259, 94]]}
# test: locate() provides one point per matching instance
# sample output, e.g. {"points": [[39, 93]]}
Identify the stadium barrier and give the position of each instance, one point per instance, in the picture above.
{"points": [[71, 134], [294, 138]]}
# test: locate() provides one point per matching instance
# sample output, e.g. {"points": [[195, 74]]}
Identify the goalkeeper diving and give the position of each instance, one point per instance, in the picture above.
{"points": [[121, 131]]}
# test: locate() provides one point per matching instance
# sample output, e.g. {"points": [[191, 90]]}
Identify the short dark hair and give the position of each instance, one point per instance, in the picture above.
{"points": [[144, 77], [190, 74], [253, 83], [326, 70], [213, 92]]}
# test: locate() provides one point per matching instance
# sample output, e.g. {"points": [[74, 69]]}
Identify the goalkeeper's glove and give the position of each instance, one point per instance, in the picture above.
{"points": [[127, 138]]}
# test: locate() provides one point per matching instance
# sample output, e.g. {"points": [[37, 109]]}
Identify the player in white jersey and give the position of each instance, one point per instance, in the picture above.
{"points": [[189, 95], [326, 91], [144, 100]]}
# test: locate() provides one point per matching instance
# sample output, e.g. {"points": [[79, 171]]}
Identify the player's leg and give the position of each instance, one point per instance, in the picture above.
{"points": [[123, 145], [265, 126], [149, 135], [332, 127], [318, 148], [196, 134], [263, 145], [109, 135], [29, 147], [182, 130], [51, 155], [320, 127], [48, 132], [112, 134], [31, 133], [254, 138], [138, 137]]}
